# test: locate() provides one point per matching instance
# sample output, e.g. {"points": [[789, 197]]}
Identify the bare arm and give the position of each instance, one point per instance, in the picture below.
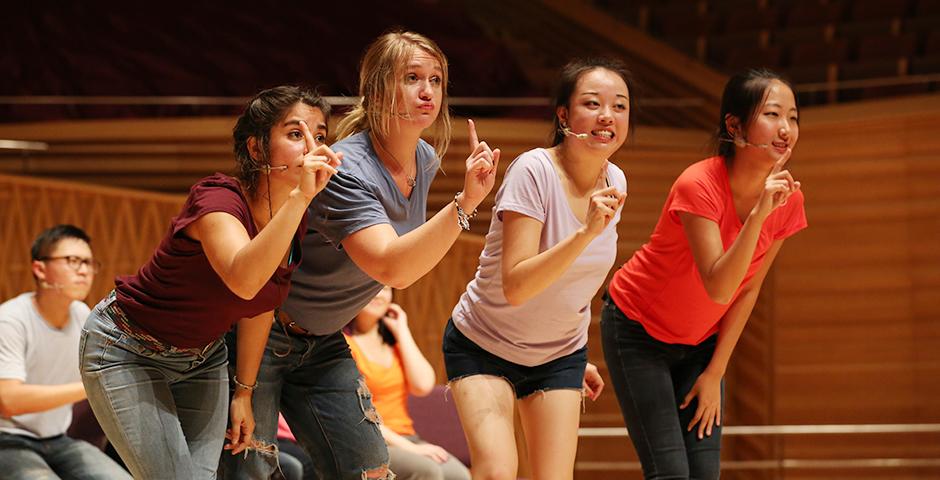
{"points": [[732, 324], [419, 374], [251, 340], [399, 261], [723, 271], [707, 387], [526, 271], [18, 398], [246, 264]]}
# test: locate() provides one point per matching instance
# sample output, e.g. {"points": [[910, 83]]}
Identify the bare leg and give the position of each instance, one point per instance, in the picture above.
{"points": [[485, 403], [550, 421]]}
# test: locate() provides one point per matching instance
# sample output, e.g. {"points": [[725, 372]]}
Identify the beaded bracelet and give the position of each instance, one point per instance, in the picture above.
{"points": [[463, 219], [242, 385]]}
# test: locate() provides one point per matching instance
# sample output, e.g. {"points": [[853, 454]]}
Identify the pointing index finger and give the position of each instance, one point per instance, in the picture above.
{"points": [[474, 140], [778, 165], [309, 142]]}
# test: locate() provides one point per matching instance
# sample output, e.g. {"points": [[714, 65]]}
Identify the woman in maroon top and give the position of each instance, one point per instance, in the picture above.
{"points": [[152, 359]]}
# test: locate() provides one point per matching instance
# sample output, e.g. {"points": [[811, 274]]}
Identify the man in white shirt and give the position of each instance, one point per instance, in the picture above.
{"points": [[39, 378]]}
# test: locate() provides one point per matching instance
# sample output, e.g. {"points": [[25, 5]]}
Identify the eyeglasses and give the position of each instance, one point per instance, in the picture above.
{"points": [[76, 263]]}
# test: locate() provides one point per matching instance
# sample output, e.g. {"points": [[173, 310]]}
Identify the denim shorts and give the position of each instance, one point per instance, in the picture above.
{"points": [[463, 358]]}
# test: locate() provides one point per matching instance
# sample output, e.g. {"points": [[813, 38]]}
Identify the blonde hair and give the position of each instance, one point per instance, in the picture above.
{"points": [[380, 78]]}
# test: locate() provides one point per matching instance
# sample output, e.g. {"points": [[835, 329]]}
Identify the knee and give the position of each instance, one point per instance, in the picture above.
{"points": [[493, 472]]}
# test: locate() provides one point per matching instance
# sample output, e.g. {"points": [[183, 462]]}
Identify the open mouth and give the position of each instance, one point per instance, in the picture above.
{"points": [[605, 134]]}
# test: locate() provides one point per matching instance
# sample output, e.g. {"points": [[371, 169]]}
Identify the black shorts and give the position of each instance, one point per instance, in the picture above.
{"points": [[463, 358]]}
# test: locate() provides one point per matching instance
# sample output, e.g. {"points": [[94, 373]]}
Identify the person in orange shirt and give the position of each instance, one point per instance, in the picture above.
{"points": [[393, 366]]}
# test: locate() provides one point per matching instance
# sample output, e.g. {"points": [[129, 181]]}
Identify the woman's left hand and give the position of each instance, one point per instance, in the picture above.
{"points": [[243, 423], [707, 389], [481, 170], [593, 383]]}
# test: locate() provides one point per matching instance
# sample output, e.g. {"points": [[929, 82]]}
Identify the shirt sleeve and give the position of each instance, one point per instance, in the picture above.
{"points": [[522, 189], [206, 198], [692, 193], [344, 207], [12, 350], [792, 218]]}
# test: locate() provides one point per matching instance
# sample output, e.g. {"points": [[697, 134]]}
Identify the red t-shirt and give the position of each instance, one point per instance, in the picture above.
{"points": [[177, 297], [660, 286]]}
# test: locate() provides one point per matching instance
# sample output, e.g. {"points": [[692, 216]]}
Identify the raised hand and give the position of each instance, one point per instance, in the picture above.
{"points": [[778, 187], [481, 170], [395, 319], [319, 164], [603, 205]]}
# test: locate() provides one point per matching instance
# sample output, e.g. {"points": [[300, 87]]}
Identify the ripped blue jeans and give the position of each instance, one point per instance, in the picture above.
{"points": [[314, 382]]}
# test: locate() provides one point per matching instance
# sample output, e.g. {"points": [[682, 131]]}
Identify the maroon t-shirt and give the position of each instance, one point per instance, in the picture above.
{"points": [[177, 297]]}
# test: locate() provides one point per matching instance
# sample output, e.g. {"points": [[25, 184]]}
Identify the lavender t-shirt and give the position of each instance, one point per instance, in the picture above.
{"points": [[555, 322]]}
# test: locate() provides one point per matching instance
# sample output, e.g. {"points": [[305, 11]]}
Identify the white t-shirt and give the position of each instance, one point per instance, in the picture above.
{"points": [[555, 322], [33, 351]]}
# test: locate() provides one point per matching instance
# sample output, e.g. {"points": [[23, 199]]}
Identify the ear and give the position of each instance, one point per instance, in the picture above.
{"points": [[39, 270], [253, 149], [732, 125], [562, 113]]}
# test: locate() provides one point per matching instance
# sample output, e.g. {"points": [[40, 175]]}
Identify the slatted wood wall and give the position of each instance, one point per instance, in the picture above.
{"points": [[847, 329]]}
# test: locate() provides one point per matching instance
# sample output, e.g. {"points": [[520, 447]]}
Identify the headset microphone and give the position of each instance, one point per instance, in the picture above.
{"points": [[567, 131], [267, 169]]}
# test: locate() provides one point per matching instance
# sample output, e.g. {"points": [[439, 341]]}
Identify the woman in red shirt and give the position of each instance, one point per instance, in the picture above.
{"points": [[677, 308], [152, 357]]}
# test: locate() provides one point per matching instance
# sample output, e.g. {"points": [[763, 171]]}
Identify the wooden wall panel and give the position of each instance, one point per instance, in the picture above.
{"points": [[847, 329], [125, 226]]}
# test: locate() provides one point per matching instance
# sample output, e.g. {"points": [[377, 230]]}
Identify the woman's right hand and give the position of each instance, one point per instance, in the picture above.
{"points": [[481, 171], [319, 165], [395, 319], [429, 450], [778, 187], [603, 205]]}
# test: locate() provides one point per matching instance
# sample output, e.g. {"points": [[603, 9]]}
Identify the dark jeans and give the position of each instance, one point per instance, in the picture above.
{"points": [[314, 382], [54, 458], [651, 379]]}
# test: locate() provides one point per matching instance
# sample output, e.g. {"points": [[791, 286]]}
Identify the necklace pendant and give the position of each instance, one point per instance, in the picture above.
{"points": [[412, 182]]}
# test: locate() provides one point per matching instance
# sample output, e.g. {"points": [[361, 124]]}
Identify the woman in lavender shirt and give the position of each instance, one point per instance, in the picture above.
{"points": [[519, 333]]}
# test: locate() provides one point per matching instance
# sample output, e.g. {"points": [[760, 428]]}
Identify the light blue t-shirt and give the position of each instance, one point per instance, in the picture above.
{"points": [[328, 289]]}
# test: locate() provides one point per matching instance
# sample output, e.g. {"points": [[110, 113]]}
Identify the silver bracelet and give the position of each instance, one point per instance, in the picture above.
{"points": [[242, 385], [463, 220]]}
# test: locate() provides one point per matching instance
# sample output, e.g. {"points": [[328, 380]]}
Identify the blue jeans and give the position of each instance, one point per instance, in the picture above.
{"points": [[314, 382], [54, 458], [165, 413], [651, 379]]}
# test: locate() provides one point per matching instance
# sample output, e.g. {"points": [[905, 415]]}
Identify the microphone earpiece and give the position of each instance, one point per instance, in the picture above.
{"points": [[742, 143], [567, 131], [267, 168]]}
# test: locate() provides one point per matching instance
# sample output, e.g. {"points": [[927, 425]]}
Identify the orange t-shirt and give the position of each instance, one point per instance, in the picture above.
{"points": [[660, 286], [389, 389]]}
